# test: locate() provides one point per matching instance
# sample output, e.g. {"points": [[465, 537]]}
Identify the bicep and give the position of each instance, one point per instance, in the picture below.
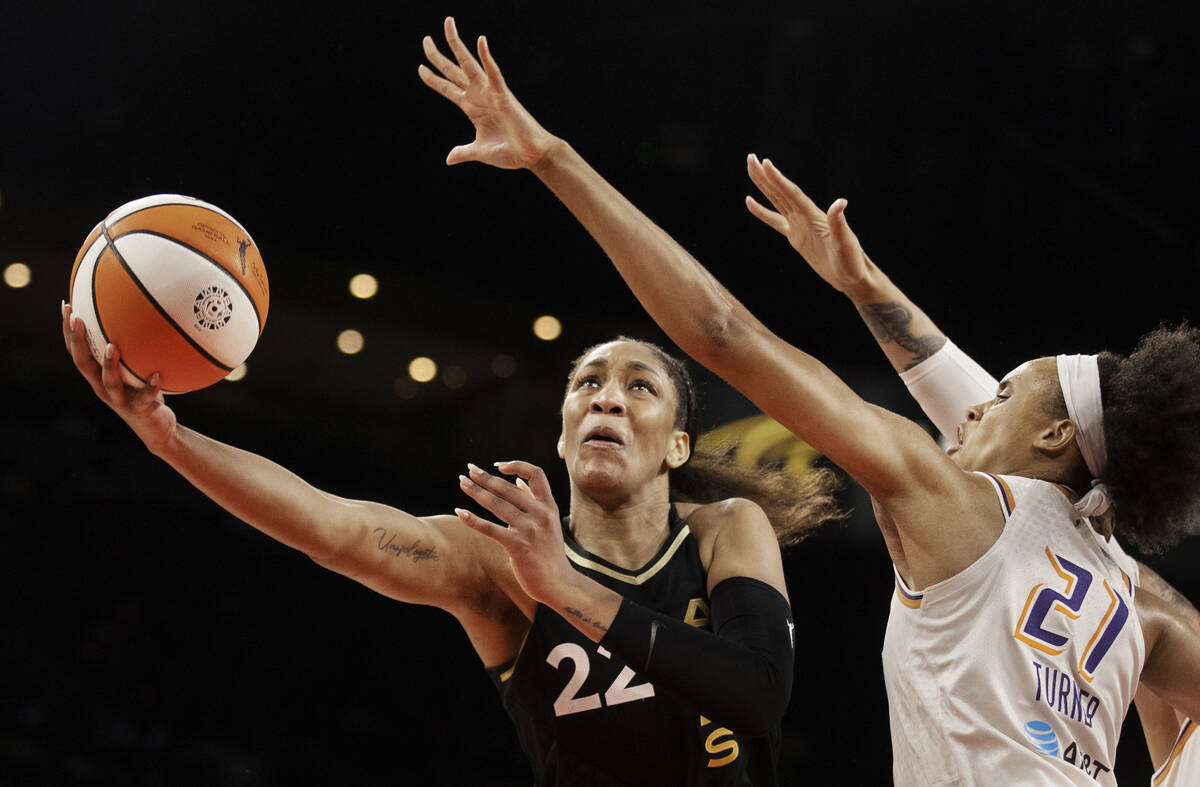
{"points": [[436, 561], [1172, 669]]}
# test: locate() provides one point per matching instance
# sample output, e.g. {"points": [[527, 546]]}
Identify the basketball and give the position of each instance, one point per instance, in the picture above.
{"points": [[177, 285]]}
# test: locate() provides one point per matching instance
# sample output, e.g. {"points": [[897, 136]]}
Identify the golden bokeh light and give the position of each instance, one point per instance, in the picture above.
{"points": [[422, 369], [547, 328], [364, 285], [350, 341], [17, 275]]}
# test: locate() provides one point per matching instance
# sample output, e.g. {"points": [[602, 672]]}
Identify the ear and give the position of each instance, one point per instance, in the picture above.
{"points": [[1057, 438], [679, 450], [562, 445]]}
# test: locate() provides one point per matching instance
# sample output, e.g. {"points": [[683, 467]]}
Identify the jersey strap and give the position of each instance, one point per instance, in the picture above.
{"points": [[1004, 492], [1185, 732]]}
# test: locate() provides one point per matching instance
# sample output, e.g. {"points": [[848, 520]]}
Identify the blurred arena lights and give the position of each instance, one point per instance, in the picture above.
{"points": [[547, 328], [405, 387], [422, 369], [17, 275], [236, 374], [350, 341], [364, 285], [504, 366]]}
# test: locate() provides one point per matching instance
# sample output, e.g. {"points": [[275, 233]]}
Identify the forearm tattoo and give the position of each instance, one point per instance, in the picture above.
{"points": [[889, 322], [579, 614], [414, 551], [1161, 588]]}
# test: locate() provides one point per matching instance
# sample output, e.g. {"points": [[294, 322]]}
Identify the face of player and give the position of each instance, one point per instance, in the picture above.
{"points": [[1001, 435], [619, 421]]}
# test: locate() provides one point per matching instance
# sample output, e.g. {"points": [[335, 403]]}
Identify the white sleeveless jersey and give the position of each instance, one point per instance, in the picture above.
{"points": [[1182, 768], [1019, 669]]}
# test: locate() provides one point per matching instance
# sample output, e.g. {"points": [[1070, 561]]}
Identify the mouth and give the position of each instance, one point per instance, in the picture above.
{"points": [[603, 437]]}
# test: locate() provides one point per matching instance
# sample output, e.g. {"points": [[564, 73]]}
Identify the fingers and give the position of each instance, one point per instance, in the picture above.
{"points": [[767, 216], [785, 195], [444, 86], [110, 375], [448, 68], [465, 59], [495, 494], [489, 64], [538, 485], [842, 234], [481, 525], [75, 335]]}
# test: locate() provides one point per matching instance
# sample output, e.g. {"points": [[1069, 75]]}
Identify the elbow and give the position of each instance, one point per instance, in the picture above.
{"points": [[720, 332]]}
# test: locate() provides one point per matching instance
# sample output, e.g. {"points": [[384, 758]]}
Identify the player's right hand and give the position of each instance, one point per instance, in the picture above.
{"points": [[142, 408], [506, 135]]}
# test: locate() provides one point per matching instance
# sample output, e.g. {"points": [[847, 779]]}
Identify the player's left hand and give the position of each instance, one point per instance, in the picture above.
{"points": [[506, 135], [533, 538], [823, 238]]}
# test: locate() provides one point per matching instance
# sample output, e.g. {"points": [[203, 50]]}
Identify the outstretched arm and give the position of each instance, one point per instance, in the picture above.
{"points": [[944, 380], [890, 456], [424, 560], [1159, 720]]}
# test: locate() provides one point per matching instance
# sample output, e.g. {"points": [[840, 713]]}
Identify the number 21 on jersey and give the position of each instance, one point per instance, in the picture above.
{"points": [[1044, 600]]}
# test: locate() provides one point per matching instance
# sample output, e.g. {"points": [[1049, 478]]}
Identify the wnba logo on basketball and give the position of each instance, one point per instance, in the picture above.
{"points": [[1042, 737], [213, 308]]}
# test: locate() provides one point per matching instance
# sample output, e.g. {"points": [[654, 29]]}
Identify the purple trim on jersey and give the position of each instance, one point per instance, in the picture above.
{"points": [[1006, 495]]}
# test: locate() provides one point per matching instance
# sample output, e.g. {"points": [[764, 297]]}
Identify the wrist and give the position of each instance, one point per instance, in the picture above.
{"points": [[871, 287], [552, 154]]}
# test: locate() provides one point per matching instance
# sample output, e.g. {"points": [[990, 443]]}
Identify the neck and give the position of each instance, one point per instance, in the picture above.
{"points": [[626, 534]]}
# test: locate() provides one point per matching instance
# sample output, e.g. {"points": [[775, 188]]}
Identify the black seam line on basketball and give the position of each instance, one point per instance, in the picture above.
{"points": [[95, 266], [161, 310], [198, 252]]}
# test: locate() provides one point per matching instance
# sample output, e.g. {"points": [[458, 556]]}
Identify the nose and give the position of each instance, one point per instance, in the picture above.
{"points": [[975, 412], [609, 400]]}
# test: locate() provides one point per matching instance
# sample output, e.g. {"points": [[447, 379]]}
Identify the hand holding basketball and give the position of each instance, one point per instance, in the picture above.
{"points": [[176, 283], [506, 135], [142, 408]]}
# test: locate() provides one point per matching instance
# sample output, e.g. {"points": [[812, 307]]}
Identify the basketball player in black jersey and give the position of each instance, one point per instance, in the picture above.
{"points": [[639, 641]]}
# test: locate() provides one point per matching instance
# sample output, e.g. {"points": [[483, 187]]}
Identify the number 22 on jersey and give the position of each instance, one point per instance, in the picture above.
{"points": [[618, 692]]}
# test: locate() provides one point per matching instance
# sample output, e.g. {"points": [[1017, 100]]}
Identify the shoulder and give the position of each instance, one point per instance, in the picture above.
{"points": [[734, 538]]}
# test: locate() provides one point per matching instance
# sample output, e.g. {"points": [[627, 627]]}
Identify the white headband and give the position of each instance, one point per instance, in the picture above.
{"points": [[1079, 376]]}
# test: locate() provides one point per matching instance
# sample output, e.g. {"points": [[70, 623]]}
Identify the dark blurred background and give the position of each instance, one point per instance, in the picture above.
{"points": [[1025, 171]]}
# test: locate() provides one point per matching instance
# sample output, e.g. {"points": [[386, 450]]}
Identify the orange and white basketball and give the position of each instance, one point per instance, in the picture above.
{"points": [[177, 285]]}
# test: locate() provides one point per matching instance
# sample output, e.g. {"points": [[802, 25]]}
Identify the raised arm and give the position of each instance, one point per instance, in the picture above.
{"points": [[892, 457], [423, 560], [944, 380]]}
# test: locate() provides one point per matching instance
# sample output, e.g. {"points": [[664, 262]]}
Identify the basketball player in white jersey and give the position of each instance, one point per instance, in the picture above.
{"points": [[945, 381], [1015, 644]]}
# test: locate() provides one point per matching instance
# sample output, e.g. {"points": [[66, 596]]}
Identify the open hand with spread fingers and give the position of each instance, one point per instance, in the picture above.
{"points": [[506, 135], [823, 238], [142, 408], [533, 538]]}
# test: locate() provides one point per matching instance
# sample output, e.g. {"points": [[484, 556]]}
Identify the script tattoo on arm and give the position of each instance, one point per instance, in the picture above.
{"points": [[579, 614], [889, 322], [414, 551]]}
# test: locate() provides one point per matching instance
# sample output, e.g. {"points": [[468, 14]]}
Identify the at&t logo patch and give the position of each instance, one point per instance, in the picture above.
{"points": [[1043, 738]]}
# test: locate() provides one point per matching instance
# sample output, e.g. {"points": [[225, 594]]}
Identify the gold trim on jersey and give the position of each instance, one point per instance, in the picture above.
{"points": [[632, 579], [504, 676], [1185, 732]]}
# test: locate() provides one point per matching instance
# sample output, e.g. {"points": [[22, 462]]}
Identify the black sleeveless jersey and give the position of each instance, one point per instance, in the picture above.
{"points": [[585, 718]]}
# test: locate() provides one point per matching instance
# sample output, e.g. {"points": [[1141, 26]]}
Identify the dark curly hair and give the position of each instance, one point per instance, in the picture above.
{"points": [[1151, 404], [795, 505]]}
